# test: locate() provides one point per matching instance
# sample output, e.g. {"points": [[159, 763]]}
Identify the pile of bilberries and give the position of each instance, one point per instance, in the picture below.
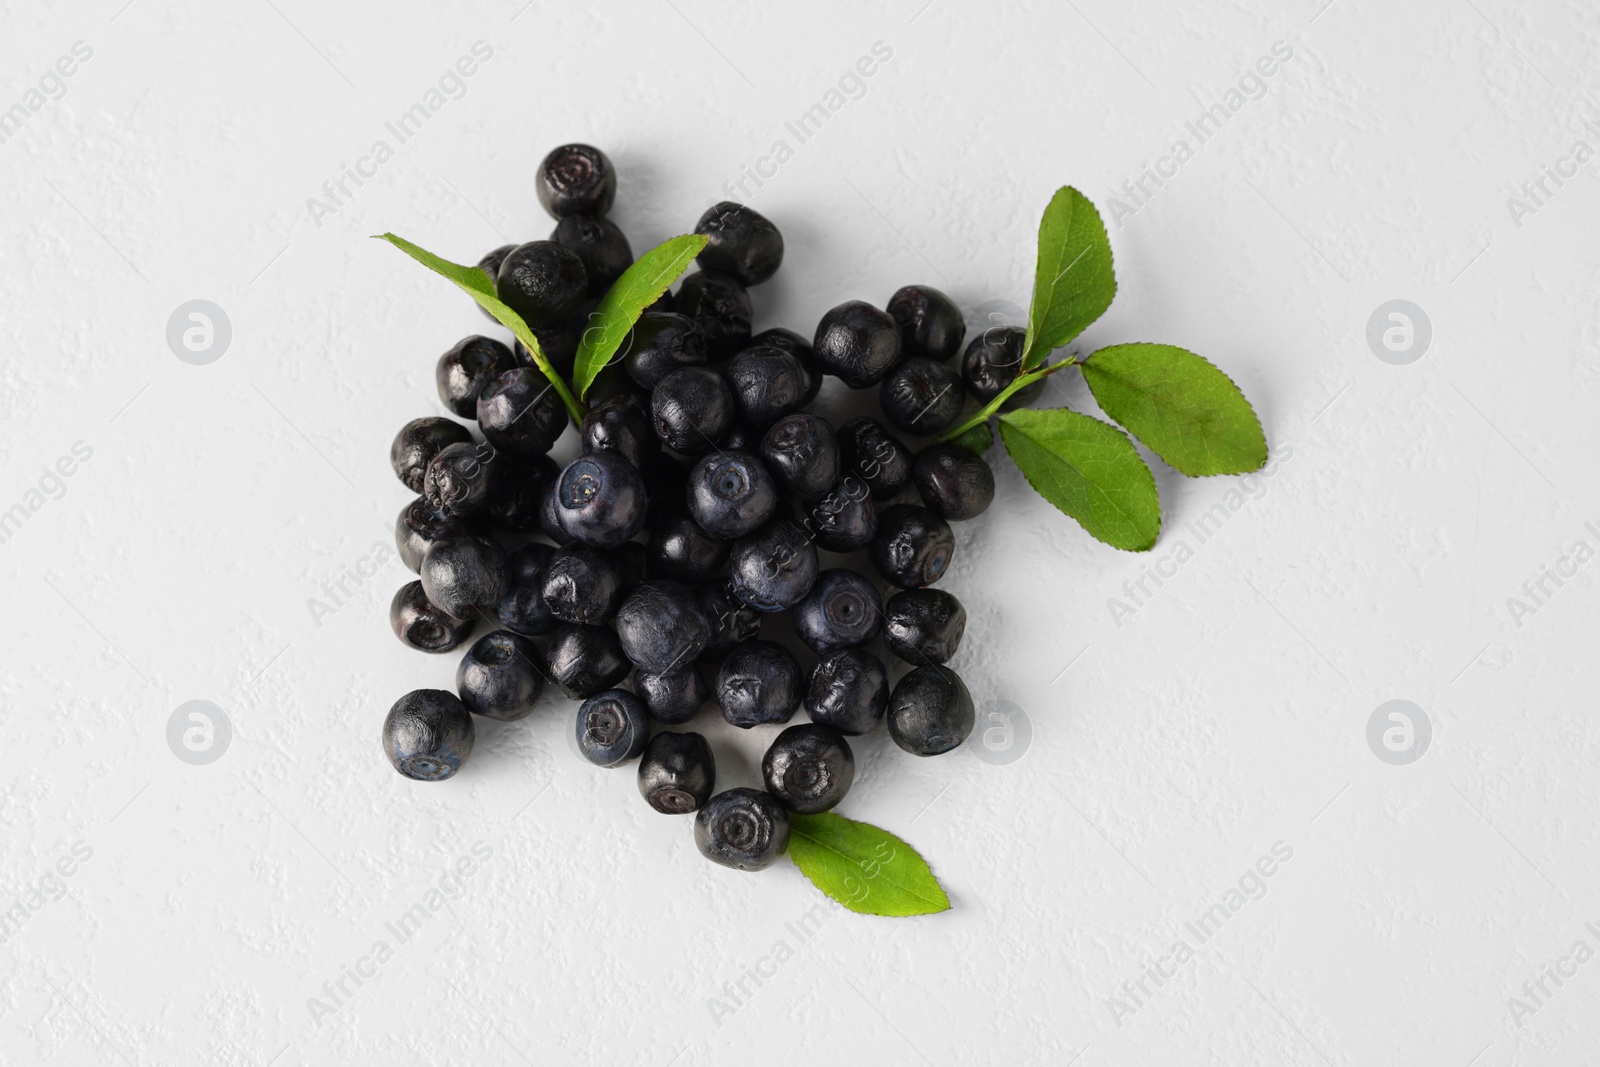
{"points": [[700, 506]]}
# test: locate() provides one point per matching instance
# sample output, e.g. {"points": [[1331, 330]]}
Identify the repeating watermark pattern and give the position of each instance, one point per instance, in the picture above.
{"points": [[1137, 993], [44, 891], [449, 887], [52, 485], [1399, 332], [47, 89], [1003, 735], [450, 86], [1399, 732], [851, 85], [199, 732], [1539, 590], [1250, 87], [1537, 192], [199, 332], [740, 991], [1537, 992], [343, 587]]}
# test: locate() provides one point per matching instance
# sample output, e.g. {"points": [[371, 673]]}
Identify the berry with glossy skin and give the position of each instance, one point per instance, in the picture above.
{"points": [[774, 567], [490, 265], [457, 479], [857, 343], [692, 410], [802, 453], [680, 548], [767, 383], [622, 426], [930, 324], [954, 481], [844, 519], [465, 575], [733, 622], [809, 768], [720, 306], [522, 607], [600, 243], [800, 349], [922, 396], [517, 489], [418, 442], [677, 773], [739, 242], [759, 682], [731, 494], [992, 362], [424, 626], [466, 369], [675, 697], [613, 728], [520, 413], [583, 584], [576, 179], [930, 711], [583, 660], [842, 609], [420, 525], [876, 456], [913, 547], [600, 500], [427, 735], [543, 282], [848, 690], [923, 626], [499, 677], [662, 342], [662, 628], [746, 829]]}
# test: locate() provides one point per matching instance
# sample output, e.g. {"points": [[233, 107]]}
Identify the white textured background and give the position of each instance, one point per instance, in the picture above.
{"points": [[1168, 753]]}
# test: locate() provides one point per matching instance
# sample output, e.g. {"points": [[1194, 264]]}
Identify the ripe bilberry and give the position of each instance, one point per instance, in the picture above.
{"points": [[612, 728], [923, 625], [427, 735], [674, 697], [842, 609], [877, 457], [930, 711], [677, 773], [466, 369], [600, 244], [954, 480], [809, 768], [774, 567], [739, 242], [922, 396], [661, 342], [522, 607], [499, 677], [574, 179], [720, 306], [759, 682], [913, 547], [457, 479], [418, 442], [543, 282], [520, 413], [746, 829], [583, 660], [848, 690], [803, 455], [930, 324], [857, 343], [600, 500], [423, 625], [731, 494], [583, 584], [661, 627], [692, 410], [465, 575]]}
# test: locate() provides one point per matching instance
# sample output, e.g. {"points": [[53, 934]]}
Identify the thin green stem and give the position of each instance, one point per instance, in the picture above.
{"points": [[1022, 381]]}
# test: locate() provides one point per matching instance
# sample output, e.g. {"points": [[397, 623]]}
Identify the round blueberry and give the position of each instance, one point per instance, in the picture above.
{"points": [[922, 396], [677, 773], [923, 626], [550, 515], [543, 282], [746, 829], [662, 628], [774, 567], [809, 768], [612, 728], [420, 525], [499, 677], [800, 349], [599, 242], [857, 343], [842, 609], [767, 383], [877, 457], [758, 682], [427, 735], [600, 500], [732, 621], [692, 410], [681, 549], [739, 242], [844, 519], [465, 575], [720, 306], [803, 455], [930, 711], [422, 625], [522, 607], [583, 660], [576, 179], [520, 413], [731, 494], [418, 442], [675, 697], [930, 324], [913, 547], [954, 480], [457, 479], [583, 584], [517, 489], [464, 371], [848, 690], [662, 342], [621, 425], [992, 362]]}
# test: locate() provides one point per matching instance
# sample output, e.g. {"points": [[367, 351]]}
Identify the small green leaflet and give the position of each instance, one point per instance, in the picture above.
{"points": [[1186, 410], [638, 288], [1074, 282], [866, 869], [979, 438], [1090, 470], [477, 285]]}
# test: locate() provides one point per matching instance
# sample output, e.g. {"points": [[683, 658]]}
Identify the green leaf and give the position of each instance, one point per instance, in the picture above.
{"points": [[478, 285], [639, 287], [1090, 470], [1186, 410], [979, 438], [866, 869], [1074, 282]]}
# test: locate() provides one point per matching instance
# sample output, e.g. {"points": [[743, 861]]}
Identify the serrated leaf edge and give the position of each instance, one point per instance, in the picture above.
{"points": [[942, 899]]}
